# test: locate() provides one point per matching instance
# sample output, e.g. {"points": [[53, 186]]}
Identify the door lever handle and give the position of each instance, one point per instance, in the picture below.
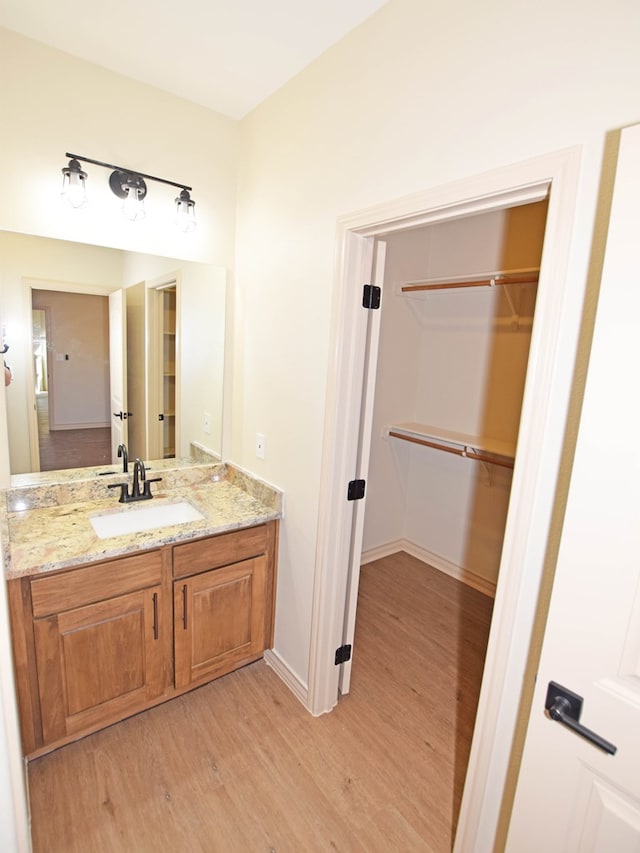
{"points": [[565, 707]]}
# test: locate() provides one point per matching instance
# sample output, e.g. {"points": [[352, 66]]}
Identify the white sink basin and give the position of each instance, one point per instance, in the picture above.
{"points": [[135, 519]]}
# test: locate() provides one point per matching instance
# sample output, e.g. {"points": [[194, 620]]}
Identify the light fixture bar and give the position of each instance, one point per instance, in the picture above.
{"points": [[128, 171]]}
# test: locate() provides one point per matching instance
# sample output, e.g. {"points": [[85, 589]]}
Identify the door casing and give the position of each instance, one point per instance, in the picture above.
{"points": [[533, 494]]}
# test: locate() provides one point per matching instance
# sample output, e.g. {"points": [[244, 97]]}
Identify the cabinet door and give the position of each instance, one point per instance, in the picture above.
{"points": [[99, 662], [221, 620]]}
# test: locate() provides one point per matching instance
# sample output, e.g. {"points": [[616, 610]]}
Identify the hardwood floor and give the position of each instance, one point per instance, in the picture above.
{"points": [[70, 448], [239, 765]]}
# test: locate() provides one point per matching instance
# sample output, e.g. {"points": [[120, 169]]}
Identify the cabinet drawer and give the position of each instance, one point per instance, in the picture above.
{"points": [[89, 584], [194, 557]]}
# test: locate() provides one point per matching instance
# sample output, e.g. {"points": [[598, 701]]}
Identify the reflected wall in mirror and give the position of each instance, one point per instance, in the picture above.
{"points": [[176, 329]]}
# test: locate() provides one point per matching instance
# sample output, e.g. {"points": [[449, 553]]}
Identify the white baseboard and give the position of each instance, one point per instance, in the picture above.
{"points": [[383, 551], [467, 576], [299, 689], [92, 425]]}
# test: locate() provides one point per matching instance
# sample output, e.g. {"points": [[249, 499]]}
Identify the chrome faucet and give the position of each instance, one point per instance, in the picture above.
{"points": [[122, 452]]}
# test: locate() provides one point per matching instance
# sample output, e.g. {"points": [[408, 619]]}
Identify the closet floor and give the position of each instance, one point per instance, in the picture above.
{"points": [[239, 765]]}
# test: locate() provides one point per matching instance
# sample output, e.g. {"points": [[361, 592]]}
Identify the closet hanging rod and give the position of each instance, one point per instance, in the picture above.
{"points": [[466, 451], [490, 281]]}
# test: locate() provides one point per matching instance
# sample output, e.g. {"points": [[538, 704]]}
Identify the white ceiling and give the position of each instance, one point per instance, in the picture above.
{"points": [[228, 55]]}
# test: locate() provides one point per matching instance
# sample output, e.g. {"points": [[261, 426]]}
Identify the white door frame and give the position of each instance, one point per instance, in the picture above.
{"points": [[29, 285], [545, 405]]}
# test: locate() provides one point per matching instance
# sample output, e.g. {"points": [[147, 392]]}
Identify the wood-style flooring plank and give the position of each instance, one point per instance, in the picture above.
{"points": [[70, 448], [239, 765]]}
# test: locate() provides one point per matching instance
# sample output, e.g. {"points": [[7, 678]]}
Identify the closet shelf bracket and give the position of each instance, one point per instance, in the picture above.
{"points": [[515, 308]]}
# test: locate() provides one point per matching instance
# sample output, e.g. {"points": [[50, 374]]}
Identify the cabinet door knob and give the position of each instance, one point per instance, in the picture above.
{"points": [[184, 606]]}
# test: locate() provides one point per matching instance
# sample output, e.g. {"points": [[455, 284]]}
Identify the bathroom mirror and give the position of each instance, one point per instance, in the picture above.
{"points": [[31, 264]]}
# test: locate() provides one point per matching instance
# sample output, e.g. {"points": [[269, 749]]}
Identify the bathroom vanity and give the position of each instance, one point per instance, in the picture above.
{"points": [[106, 628]]}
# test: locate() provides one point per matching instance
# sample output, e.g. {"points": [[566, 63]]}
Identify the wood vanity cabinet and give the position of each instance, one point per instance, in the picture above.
{"points": [[100, 642]]}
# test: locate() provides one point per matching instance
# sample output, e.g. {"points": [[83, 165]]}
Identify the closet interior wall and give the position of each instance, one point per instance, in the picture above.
{"points": [[454, 359]]}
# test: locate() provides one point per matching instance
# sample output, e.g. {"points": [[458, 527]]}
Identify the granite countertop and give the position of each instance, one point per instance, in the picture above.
{"points": [[45, 528]]}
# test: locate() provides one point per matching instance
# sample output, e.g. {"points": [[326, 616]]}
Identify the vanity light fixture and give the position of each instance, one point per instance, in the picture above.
{"points": [[128, 185]]}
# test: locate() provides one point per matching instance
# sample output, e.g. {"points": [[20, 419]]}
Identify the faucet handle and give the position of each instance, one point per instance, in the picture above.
{"points": [[147, 486], [124, 494]]}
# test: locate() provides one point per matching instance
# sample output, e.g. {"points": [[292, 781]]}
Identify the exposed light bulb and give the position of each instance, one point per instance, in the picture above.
{"points": [[74, 191], [185, 212], [133, 204]]}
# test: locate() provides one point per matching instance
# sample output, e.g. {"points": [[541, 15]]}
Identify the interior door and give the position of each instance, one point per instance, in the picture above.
{"points": [[364, 446], [117, 371], [136, 370], [571, 794]]}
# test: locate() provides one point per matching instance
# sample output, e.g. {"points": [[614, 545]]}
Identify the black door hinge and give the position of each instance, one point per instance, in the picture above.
{"points": [[343, 654], [355, 490], [370, 296]]}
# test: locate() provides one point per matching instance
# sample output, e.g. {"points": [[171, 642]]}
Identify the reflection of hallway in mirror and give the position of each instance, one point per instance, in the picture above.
{"points": [[70, 448]]}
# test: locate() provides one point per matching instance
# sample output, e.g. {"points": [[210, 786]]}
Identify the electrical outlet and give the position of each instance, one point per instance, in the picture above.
{"points": [[206, 426], [261, 445]]}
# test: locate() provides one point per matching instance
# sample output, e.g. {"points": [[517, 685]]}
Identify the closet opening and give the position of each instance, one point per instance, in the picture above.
{"points": [[504, 694], [457, 312]]}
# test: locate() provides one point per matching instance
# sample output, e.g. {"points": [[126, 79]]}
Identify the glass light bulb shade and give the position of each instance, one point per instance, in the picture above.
{"points": [[133, 204], [74, 191], [185, 212]]}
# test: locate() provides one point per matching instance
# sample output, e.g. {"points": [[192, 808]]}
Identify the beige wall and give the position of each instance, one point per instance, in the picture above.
{"points": [[52, 103], [420, 95]]}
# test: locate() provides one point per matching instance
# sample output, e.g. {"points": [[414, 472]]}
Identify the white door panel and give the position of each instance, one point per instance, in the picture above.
{"points": [[364, 448], [117, 371], [572, 796], [135, 369], [606, 819]]}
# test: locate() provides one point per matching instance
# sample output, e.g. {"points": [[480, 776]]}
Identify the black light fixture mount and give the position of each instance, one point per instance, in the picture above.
{"points": [[130, 185], [119, 180]]}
